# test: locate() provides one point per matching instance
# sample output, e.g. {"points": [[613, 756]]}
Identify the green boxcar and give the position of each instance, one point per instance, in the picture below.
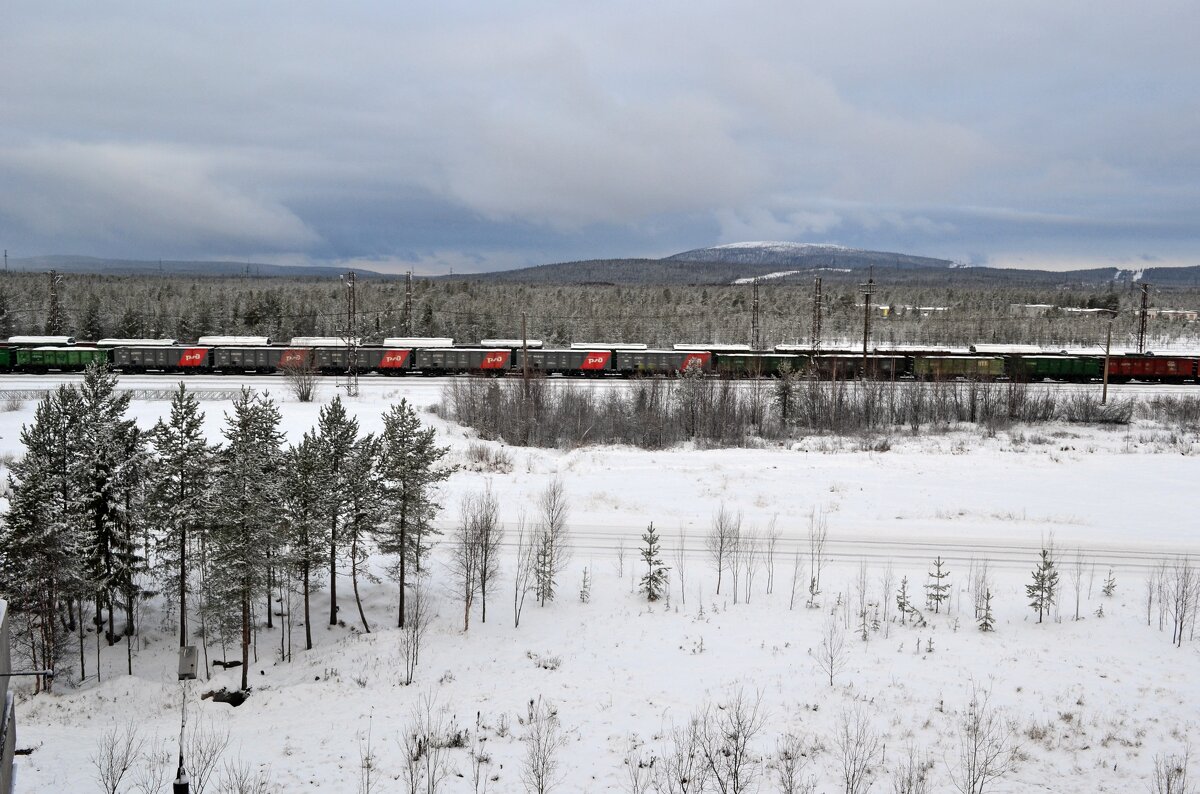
{"points": [[951, 367], [6, 358], [741, 365], [1069, 368], [60, 358]]}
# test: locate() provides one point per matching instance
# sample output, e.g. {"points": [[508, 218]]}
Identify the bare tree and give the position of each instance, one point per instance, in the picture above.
{"points": [[639, 771], [1171, 774], [726, 737], [553, 550], [772, 541], [858, 750], [416, 623], [682, 768], [490, 538], [680, 558], [750, 551], [987, 748], [544, 740], [887, 581], [831, 655], [818, 532], [117, 751], [524, 576], [464, 553], [1182, 589], [796, 567], [1076, 572], [861, 585], [721, 539]]}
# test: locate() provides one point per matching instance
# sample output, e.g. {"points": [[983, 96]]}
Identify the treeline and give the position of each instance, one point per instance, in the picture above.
{"points": [[656, 413], [95, 306], [103, 515]]}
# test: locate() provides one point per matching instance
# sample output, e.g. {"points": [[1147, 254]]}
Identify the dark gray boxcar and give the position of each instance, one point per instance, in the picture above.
{"points": [[463, 359], [660, 362], [173, 358], [568, 362]]}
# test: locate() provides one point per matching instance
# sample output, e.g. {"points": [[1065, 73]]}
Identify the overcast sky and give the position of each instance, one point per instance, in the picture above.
{"points": [[486, 135]]}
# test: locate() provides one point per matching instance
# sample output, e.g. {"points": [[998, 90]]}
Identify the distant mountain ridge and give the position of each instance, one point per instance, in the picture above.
{"points": [[139, 267], [806, 255], [799, 263]]}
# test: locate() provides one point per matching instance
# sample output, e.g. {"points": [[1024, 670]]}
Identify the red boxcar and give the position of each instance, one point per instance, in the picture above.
{"points": [[1166, 369]]}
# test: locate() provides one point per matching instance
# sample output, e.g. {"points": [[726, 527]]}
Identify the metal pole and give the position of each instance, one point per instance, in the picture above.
{"points": [[1107, 353], [1145, 314], [868, 290], [525, 353], [755, 332]]}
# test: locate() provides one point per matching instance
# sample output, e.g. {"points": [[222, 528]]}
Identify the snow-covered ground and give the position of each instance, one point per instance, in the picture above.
{"points": [[1091, 702]]}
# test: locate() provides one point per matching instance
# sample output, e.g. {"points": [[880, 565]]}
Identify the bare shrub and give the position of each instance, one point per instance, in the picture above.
{"points": [[789, 763], [116, 752], [726, 738], [1171, 774], [721, 542], [987, 745], [11, 404], [544, 740], [488, 459], [301, 377], [911, 774], [858, 749], [424, 746], [238, 777], [203, 748], [682, 768]]}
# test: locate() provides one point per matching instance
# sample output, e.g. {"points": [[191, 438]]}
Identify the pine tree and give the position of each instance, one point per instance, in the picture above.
{"points": [[1044, 585], [246, 501], [986, 621], [304, 516], [655, 580], [410, 468], [1110, 584], [177, 494], [337, 435], [365, 511], [902, 604], [937, 590]]}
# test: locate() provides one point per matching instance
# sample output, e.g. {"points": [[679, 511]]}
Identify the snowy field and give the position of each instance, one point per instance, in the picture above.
{"points": [[1090, 702]]}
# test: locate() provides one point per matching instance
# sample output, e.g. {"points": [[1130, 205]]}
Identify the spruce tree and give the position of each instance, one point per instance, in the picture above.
{"points": [[937, 590], [1110, 584], [410, 468], [109, 471], [902, 604], [655, 579], [246, 499], [987, 622], [1045, 582], [178, 487], [41, 549]]}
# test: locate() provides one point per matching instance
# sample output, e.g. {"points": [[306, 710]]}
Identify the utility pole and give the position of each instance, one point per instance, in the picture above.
{"points": [[1145, 314], [5, 260], [1112, 315], [755, 335], [867, 290], [525, 353], [816, 316], [408, 304], [351, 335], [54, 322]]}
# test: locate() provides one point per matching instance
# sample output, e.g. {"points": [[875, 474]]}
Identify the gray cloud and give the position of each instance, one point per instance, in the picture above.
{"points": [[481, 137]]}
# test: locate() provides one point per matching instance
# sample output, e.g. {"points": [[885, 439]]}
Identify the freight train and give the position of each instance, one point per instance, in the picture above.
{"points": [[435, 356]]}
